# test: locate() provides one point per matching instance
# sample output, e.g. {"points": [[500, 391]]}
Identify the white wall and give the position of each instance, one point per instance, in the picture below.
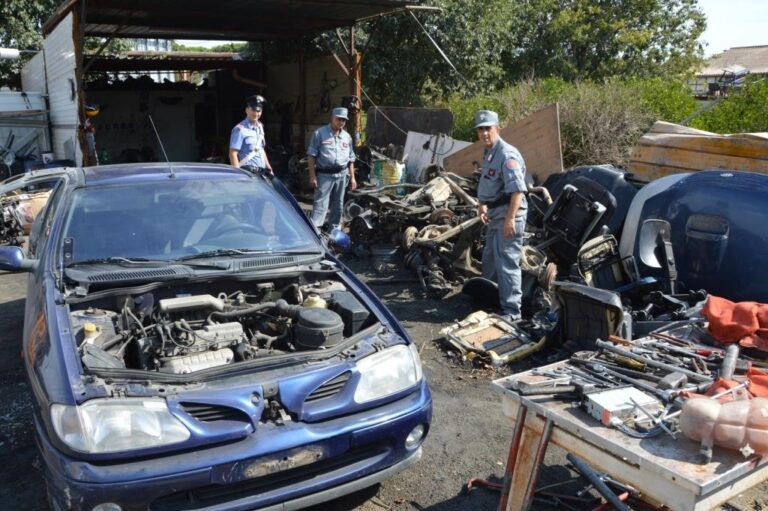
{"points": [[60, 65], [33, 74], [123, 122]]}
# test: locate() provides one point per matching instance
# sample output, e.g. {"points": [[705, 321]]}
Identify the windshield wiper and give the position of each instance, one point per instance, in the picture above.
{"points": [[246, 252], [143, 261]]}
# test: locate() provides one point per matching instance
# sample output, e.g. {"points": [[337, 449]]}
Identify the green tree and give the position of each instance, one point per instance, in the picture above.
{"points": [[495, 43], [403, 67], [21, 24], [115, 46], [224, 47], [745, 110], [596, 39]]}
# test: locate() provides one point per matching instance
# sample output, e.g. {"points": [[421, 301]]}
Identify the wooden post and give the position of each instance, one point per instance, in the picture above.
{"points": [[355, 82]]}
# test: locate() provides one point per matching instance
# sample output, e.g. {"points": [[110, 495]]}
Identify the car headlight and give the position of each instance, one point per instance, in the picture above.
{"points": [[112, 425], [388, 372]]}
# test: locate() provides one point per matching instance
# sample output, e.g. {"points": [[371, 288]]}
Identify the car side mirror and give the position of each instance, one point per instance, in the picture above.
{"points": [[13, 259]]}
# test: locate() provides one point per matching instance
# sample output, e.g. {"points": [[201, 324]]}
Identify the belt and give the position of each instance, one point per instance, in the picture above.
{"points": [[331, 170], [254, 169], [501, 201]]}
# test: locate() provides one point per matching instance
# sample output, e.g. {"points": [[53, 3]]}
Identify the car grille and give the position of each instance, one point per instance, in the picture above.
{"points": [[213, 413], [213, 495], [329, 388]]}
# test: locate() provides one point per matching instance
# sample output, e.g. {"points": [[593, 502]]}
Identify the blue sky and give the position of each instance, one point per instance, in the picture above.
{"points": [[729, 23], [733, 23]]}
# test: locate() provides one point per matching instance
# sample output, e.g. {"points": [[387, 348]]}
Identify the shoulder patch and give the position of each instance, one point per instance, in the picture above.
{"points": [[512, 164]]}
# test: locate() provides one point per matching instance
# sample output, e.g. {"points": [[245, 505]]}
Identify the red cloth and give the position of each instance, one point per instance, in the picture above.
{"points": [[758, 386], [743, 322]]}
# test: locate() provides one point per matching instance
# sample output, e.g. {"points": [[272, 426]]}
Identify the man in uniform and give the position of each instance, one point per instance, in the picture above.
{"points": [[247, 142], [331, 159], [503, 207]]}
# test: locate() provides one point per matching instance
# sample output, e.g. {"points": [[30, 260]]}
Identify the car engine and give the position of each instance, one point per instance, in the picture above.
{"points": [[186, 333], [11, 221]]}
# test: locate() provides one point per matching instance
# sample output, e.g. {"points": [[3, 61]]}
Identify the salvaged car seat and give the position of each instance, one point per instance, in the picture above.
{"points": [[575, 216]]}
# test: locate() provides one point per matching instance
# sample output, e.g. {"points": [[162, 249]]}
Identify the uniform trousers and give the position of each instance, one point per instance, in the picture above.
{"points": [[501, 263], [329, 192]]}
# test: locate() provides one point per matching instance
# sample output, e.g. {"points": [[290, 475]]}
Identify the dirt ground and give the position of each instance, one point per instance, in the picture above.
{"points": [[469, 435]]}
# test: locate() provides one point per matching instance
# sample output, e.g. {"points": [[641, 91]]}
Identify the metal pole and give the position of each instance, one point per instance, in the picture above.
{"points": [[594, 478]]}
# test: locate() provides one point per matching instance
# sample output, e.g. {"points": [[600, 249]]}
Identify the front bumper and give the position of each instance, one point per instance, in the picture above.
{"points": [[268, 470]]}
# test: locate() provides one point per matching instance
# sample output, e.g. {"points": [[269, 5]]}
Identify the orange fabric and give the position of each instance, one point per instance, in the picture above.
{"points": [[758, 386], [758, 381], [742, 322]]}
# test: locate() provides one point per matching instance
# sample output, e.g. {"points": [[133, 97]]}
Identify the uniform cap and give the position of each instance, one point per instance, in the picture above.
{"points": [[341, 113], [486, 118], [256, 102]]}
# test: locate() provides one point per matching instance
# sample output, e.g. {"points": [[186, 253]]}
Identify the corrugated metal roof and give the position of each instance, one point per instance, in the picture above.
{"points": [[754, 58], [247, 20]]}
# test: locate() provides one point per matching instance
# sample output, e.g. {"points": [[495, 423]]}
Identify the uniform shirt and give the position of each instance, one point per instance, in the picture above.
{"points": [[331, 150], [503, 174], [249, 142]]}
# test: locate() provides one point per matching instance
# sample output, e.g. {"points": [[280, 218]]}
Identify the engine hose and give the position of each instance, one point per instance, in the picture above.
{"points": [[282, 308], [240, 312], [268, 353], [268, 340], [112, 341]]}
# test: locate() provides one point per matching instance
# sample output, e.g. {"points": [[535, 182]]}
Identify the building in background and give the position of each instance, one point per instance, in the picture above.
{"points": [[729, 69]]}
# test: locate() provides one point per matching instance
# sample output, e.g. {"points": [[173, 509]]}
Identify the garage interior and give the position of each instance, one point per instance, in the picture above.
{"points": [[194, 116]]}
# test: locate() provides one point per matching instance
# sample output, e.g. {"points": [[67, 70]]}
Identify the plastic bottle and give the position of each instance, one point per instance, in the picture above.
{"points": [[314, 300]]}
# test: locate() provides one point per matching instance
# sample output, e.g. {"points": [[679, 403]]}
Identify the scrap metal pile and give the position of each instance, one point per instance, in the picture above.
{"points": [[22, 198], [609, 256], [436, 225], [11, 221]]}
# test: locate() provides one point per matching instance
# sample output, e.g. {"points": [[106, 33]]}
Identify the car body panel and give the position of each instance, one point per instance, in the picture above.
{"points": [[717, 224]]}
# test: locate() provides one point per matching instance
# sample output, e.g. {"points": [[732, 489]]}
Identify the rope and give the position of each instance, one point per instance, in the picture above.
{"points": [[375, 106], [445, 57]]}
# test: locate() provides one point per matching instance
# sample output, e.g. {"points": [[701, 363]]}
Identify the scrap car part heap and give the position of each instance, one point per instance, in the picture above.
{"points": [[436, 225], [11, 228]]}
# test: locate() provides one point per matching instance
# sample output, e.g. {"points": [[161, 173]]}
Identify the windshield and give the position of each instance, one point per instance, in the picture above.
{"points": [[176, 218]]}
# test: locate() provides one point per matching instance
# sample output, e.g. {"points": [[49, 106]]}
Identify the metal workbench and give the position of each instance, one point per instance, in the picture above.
{"points": [[666, 471]]}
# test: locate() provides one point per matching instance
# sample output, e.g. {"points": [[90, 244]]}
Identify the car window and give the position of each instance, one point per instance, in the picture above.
{"points": [[175, 218]]}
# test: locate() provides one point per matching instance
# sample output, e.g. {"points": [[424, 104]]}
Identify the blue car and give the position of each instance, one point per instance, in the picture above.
{"points": [[192, 344]]}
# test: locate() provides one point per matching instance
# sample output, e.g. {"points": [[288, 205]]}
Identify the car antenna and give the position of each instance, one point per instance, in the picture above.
{"points": [[170, 167]]}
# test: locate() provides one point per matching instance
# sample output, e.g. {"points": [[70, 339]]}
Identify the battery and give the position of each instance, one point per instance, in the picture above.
{"points": [[606, 405]]}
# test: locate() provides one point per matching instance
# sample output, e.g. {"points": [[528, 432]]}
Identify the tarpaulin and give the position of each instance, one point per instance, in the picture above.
{"points": [[742, 322]]}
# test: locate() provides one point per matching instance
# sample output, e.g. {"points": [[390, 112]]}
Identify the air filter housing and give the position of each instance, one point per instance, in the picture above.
{"points": [[316, 327]]}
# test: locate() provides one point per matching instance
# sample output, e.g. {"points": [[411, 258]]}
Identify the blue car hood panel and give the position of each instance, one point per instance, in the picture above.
{"points": [[718, 232]]}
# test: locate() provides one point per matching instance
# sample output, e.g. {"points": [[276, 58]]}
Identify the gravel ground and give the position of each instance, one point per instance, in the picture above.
{"points": [[469, 435]]}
